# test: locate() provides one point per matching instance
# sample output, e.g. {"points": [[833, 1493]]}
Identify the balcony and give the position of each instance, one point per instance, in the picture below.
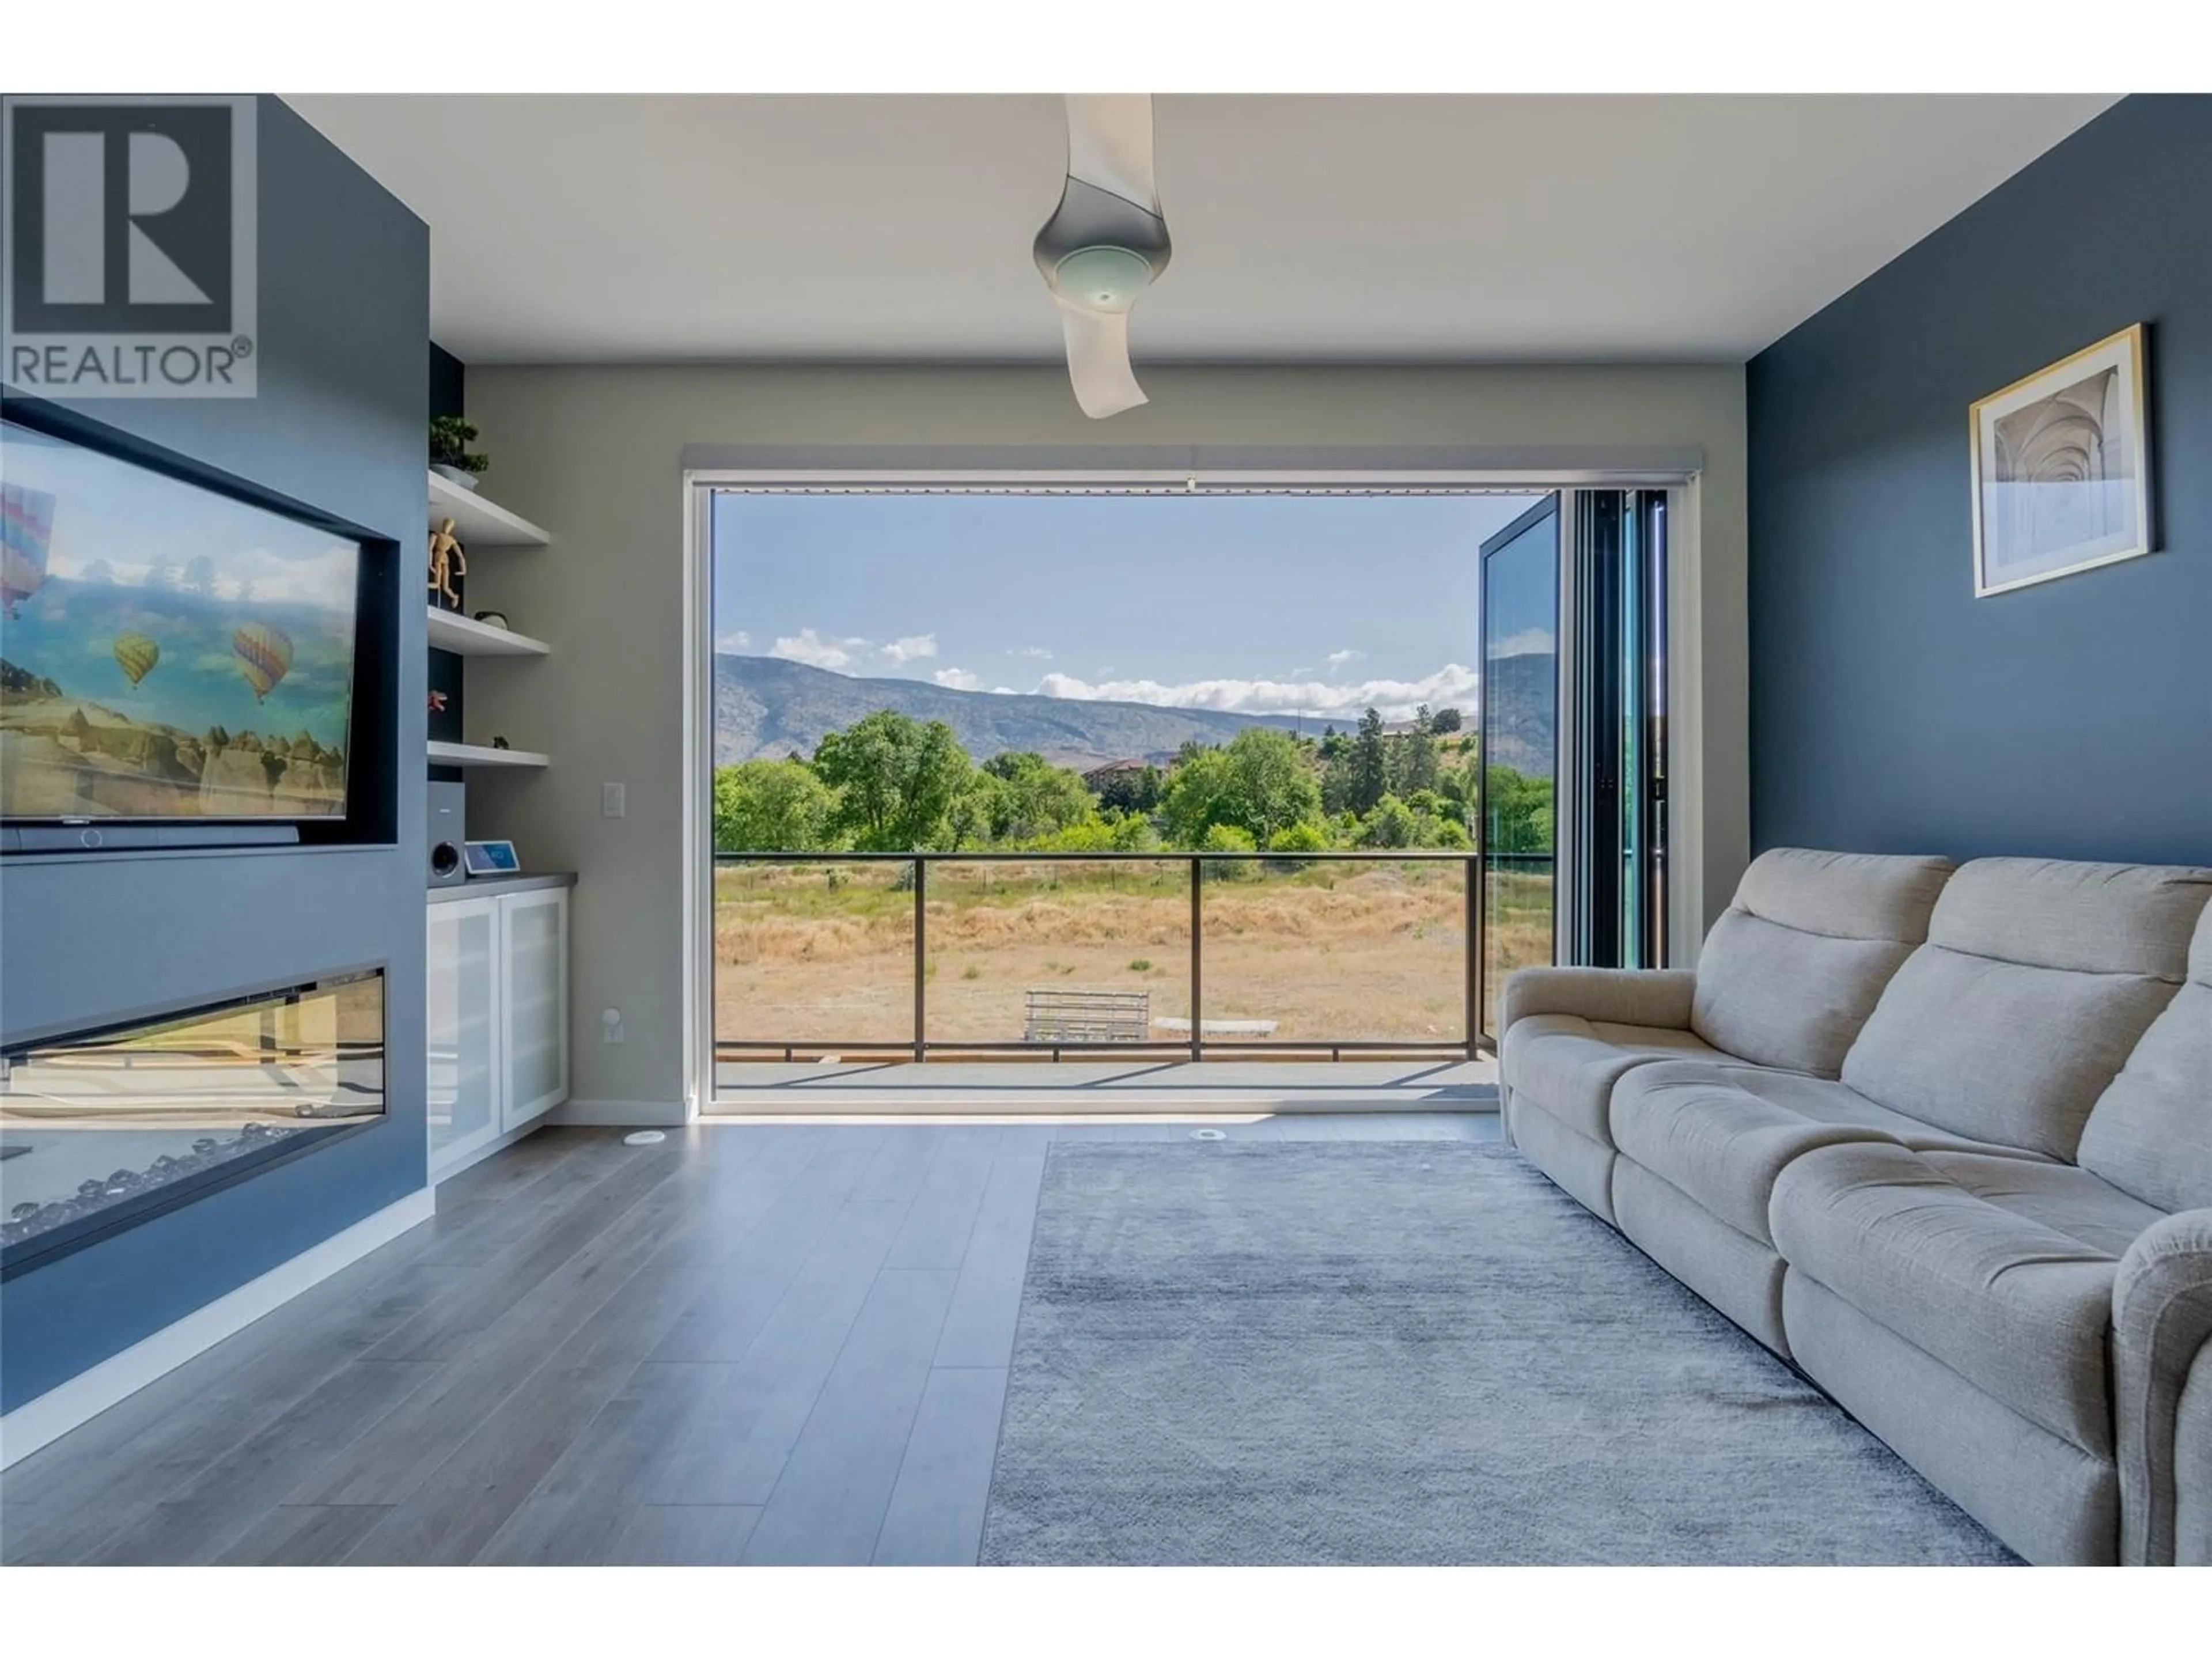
{"points": [[1116, 975]]}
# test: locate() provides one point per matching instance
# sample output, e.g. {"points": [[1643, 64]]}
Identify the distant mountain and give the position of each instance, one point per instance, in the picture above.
{"points": [[765, 707], [1523, 696]]}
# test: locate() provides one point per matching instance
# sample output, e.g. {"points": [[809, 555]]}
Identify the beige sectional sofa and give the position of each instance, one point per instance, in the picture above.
{"points": [[1942, 1139]]}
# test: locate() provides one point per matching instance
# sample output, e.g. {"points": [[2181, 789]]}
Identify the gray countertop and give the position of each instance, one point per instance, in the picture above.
{"points": [[491, 886]]}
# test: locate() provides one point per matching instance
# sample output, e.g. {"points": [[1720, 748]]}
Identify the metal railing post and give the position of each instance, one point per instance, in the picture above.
{"points": [[1472, 932], [1197, 958], [920, 959]]}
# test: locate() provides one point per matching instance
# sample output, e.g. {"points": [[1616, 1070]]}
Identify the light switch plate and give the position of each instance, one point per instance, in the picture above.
{"points": [[612, 803]]}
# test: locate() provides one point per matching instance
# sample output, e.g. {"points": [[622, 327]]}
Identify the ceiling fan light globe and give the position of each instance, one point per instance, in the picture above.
{"points": [[1107, 279]]}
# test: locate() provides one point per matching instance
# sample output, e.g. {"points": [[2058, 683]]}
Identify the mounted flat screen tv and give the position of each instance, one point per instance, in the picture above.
{"points": [[167, 652]]}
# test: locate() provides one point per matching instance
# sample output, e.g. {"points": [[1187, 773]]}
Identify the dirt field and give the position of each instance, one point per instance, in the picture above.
{"points": [[822, 956]]}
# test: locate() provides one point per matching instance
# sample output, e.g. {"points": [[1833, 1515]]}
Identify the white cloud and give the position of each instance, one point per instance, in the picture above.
{"points": [[958, 679], [730, 644], [1337, 659], [1454, 685], [810, 647], [1529, 641], [1037, 652], [912, 647], [323, 579]]}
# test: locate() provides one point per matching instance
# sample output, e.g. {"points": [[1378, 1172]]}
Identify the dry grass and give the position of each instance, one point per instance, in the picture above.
{"points": [[1373, 952]]}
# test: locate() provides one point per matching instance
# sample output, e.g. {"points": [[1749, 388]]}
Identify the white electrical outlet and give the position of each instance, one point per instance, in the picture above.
{"points": [[610, 1026], [611, 802]]}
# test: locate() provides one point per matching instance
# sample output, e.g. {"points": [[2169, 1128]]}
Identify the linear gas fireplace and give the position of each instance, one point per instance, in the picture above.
{"points": [[102, 1129]]}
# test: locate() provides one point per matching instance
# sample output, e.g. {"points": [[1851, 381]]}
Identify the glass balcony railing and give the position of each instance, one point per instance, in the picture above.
{"points": [[932, 955]]}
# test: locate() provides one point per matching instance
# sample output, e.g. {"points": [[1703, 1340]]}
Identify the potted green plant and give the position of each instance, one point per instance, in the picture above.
{"points": [[450, 458]]}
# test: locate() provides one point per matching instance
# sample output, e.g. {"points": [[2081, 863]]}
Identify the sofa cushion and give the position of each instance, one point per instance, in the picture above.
{"points": [[2150, 1134], [1722, 1133], [2088, 917], [1568, 1064], [2037, 980], [1793, 968], [2001, 1267]]}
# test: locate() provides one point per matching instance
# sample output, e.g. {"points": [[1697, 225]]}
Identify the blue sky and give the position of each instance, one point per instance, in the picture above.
{"points": [[1257, 604]]}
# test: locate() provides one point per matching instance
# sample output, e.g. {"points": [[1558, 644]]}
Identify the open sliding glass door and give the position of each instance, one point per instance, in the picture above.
{"points": [[1520, 623], [1574, 752], [1614, 805]]}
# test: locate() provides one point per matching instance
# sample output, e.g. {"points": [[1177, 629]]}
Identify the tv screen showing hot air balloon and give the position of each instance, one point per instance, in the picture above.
{"points": [[166, 652]]}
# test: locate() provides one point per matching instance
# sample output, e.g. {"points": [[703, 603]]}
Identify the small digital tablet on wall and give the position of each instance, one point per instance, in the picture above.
{"points": [[492, 858]]}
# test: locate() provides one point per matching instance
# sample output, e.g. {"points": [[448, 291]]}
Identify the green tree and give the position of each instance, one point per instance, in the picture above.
{"points": [[1370, 777], [975, 811], [1306, 837], [1518, 813], [1130, 789], [1413, 760], [1131, 832], [1261, 783], [1036, 798], [1201, 792], [1444, 722], [1114, 832], [771, 806], [896, 781], [1392, 823], [1275, 786], [1229, 838]]}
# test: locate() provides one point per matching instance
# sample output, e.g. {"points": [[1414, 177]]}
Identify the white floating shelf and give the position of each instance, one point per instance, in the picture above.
{"points": [[477, 522], [466, 636], [474, 754]]}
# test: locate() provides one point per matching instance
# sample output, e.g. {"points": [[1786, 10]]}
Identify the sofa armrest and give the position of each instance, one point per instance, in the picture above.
{"points": [[1621, 996], [2161, 1322]]}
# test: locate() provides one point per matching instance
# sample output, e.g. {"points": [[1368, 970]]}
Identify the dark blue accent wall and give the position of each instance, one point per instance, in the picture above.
{"points": [[1890, 710], [337, 428]]}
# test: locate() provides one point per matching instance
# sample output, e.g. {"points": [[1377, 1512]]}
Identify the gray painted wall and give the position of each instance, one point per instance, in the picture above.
{"points": [[597, 456], [345, 328], [1892, 710]]}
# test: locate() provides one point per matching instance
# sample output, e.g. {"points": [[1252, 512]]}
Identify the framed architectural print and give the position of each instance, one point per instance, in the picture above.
{"points": [[2062, 468]]}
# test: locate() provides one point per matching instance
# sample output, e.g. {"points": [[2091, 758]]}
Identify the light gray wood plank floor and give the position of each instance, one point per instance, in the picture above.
{"points": [[757, 1342]]}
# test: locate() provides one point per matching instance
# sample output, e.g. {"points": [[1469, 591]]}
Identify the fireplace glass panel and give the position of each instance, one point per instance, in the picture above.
{"points": [[104, 1128]]}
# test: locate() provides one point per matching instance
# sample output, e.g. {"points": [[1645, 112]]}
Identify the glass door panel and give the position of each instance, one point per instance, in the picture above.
{"points": [[462, 1029], [1616, 712], [1520, 625]]}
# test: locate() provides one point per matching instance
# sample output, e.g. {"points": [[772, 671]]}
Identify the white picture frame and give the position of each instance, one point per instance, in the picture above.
{"points": [[2062, 468]]}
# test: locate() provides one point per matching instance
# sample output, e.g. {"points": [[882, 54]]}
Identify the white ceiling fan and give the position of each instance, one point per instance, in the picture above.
{"points": [[1104, 244]]}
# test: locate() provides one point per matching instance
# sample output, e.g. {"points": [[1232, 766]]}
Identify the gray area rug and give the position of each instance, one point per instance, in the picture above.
{"points": [[1404, 1352]]}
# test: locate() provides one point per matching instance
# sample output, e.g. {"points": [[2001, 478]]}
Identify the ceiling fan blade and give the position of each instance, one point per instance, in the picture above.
{"points": [[1110, 145], [1098, 360]]}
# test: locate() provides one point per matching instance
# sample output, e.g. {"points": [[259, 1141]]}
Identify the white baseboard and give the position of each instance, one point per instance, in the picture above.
{"points": [[36, 1423], [648, 1113]]}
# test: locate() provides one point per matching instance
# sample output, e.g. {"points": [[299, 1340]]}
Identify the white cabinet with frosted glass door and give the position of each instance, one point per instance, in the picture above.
{"points": [[498, 1018], [462, 1029], [533, 949]]}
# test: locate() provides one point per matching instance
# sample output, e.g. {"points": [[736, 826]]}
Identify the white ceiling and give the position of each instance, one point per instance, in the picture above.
{"points": [[1306, 228]]}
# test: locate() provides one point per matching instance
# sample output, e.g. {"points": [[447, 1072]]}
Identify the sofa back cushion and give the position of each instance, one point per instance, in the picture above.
{"points": [[2038, 979], [2150, 1134], [1793, 968]]}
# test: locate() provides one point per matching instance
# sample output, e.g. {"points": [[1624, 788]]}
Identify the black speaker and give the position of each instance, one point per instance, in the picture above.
{"points": [[449, 830]]}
